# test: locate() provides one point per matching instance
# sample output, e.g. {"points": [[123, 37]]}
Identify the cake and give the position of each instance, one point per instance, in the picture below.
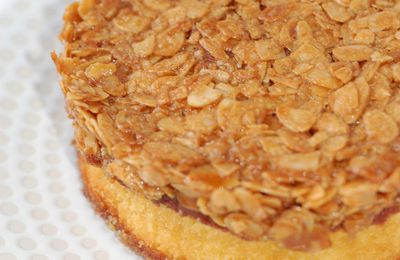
{"points": [[239, 129]]}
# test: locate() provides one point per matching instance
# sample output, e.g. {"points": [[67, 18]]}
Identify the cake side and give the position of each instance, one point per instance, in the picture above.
{"points": [[106, 205], [158, 232]]}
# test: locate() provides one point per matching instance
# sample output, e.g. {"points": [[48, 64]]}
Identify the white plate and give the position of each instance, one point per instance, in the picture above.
{"points": [[43, 213]]}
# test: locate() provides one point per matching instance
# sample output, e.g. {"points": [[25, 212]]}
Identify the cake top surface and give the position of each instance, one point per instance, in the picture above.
{"points": [[279, 119]]}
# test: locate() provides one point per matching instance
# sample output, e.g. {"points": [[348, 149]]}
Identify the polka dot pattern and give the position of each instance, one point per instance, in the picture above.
{"points": [[43, 213], [39, 214], [2, 242], [7, 256], [48, 229], [3, 139], [101, 255], [26, 243], [16, 226], [33, 198], [39, 257], [89, 243], [3, 173], [78, 230], [29, 182], [59, 244], [8, 209], [5, 191]]}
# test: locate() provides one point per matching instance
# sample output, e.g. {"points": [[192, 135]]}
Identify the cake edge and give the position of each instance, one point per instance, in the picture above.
{"points": [[385, 249], [112, 220]]}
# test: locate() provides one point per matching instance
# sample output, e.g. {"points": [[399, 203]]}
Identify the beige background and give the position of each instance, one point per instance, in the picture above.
{"points": [[43, 214]]}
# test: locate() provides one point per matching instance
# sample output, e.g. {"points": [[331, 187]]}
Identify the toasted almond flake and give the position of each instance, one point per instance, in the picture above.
{"points": [[144, 48], [273, 13], [335, 143], [364, 36], [380, 126], [382, 21], [214, 48], [223, 201], [393, 109], [345, 101], [318, 138], [153, 176], [245, 53], [396, 72], [241, 224], [307, 53], [131, 23], [104, 124], [319, 202], [145, 99], [358, 5], [297, 120], [294, 141], [349, 101], [219, 75], [397, 35], [171, 125], [274, 191], [332, 124], [358, 163], [195, 9], [250, 204], [316, 193], [357, 194], [392, 183], [170, 152], [169, 43], [269, 50], [352, 53], [300, 162], [203, 96], [99, 70], [321, 76], [85, 6], [225, 169], [231, 29], [336, 12], [380, 57], [222, 110], [273, 146], [157, 4], [204, 178]]}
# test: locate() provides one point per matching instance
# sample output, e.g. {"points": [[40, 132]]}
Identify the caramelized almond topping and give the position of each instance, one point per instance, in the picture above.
{"points": [[276, 119]]}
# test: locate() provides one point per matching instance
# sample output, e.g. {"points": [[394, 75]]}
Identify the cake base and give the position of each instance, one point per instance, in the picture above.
{"points": [[158, 232]]}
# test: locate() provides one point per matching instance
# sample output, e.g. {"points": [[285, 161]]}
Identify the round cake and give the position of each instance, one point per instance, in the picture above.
{"points": [[244, 129]]}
